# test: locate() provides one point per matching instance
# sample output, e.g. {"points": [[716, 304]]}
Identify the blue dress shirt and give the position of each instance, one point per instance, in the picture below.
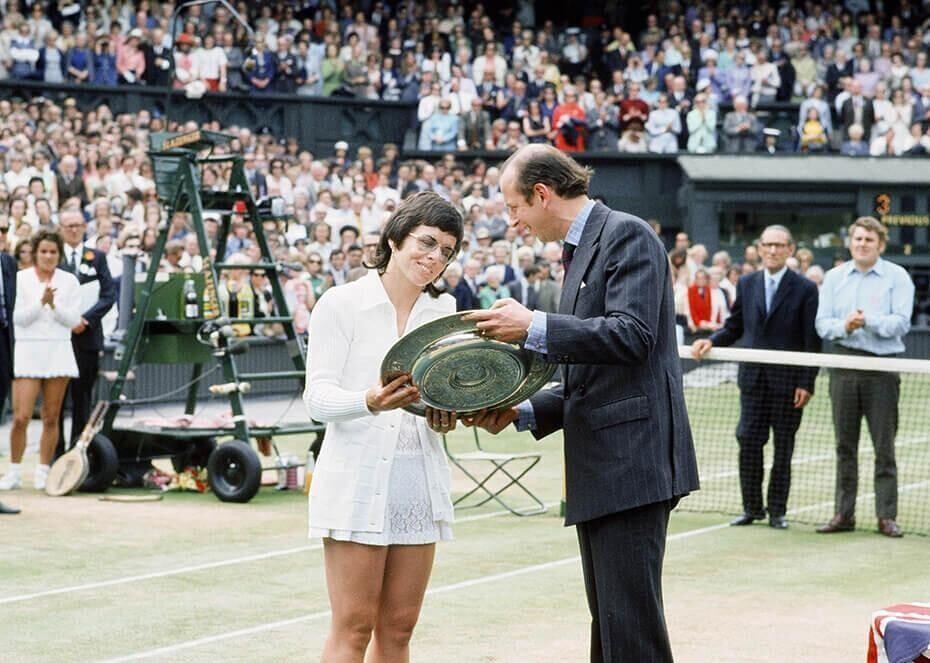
{"points": [[536, 334], [885, 293]]}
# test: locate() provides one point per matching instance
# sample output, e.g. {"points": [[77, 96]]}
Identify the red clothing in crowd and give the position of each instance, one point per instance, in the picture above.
{"points": [[575, 111], [700, 304]]}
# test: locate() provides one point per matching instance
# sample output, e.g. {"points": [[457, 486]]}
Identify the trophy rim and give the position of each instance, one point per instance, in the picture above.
{"points": [[413, 347]]}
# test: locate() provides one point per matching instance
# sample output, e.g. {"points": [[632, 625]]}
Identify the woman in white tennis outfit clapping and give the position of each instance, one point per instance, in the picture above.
{"points": [[380, 497], [48, 306]]}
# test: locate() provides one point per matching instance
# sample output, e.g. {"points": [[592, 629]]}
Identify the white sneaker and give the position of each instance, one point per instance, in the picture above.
{"points": [[10, 481], [40, 477]]}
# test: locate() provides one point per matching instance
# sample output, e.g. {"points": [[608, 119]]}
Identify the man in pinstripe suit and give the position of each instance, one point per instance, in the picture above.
{"points": [[629, 455]]}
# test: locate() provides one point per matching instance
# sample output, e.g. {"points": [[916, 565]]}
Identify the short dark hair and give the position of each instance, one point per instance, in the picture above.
{"points": [[544, 164], [426, 208], [47, 235]]}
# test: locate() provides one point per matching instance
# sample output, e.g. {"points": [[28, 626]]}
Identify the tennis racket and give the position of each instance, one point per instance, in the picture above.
{"points": [[70, 470]]}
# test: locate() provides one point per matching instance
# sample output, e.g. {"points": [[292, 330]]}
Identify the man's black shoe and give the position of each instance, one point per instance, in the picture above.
{"points": [[778, 522], [8, 509], [745, 519]]}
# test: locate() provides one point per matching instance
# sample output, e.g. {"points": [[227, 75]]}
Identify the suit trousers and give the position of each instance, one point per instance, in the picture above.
{"points": [[873, 394], [621, 558], [6, 369], [766, 407], [81, 392]]}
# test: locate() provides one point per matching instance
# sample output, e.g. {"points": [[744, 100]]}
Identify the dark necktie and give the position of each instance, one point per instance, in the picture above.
{"points": [[3, 321], [74, 268], [568, 250]]}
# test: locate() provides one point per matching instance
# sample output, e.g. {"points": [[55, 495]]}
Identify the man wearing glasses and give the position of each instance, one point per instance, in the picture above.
{"points": [[775, 309]]}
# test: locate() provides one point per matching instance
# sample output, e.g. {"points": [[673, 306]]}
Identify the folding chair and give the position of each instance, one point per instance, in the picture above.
{"points": [[499, 460]]}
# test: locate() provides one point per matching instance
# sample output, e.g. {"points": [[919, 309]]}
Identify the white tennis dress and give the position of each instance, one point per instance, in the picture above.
{"points": [[43, 334], [408, 519]]}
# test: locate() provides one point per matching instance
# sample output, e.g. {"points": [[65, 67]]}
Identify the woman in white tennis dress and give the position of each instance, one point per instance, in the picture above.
{"points": [[380, 497], [48, 305]]}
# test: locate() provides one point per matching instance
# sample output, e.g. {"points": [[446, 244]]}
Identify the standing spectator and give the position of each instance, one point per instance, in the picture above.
{"points": [[774, 310], [740, 127], [663, 126], [24, 54], [50, 66], [89, 267], [288, 72], [739, 77], [47, 307], [765, 80], [311, 54], [260, 67], [355, 75], [235, 59], [857, 109], [212, 63], [603, 121], [865, 310], [702, 127], [491, 61], [79, 60], [8, 269], [158, 58], [633, 111], [332, 69], [130, 59]]}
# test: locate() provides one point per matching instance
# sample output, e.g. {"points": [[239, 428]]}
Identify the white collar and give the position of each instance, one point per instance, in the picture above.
{"points": [[777, 276]]}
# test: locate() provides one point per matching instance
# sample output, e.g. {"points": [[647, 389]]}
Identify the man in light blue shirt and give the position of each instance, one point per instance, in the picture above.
{"points": [[865, 309]]}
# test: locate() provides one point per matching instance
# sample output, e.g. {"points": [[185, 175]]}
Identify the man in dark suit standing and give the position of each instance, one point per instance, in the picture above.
{"points": [[775, 309], [90, 267], [69, 184], [629, 455], [7, 302], [857, 109]]}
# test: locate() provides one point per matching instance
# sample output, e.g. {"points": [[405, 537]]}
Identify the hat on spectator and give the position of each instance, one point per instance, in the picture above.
{"points": [[710, 54], [341, 145], [702, 84], [185, 38], [135, 33], [768, 131], [482, 233]]}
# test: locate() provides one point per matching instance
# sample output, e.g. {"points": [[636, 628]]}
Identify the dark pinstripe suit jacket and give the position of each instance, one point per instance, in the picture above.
{"points": [[621, 406]]}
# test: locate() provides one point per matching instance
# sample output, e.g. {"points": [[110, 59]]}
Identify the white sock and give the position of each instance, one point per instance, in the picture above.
{"points": [[42, 468], [14, 469]]}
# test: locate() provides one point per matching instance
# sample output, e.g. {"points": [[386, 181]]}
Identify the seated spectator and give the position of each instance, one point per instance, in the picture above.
{"points": [[770, 138], [603, 124], [664, 126], [854, 145], [817, 99], [702, 127], [441, 130], [568, 124], [493, 289], [814, 136], [740, 128], [536, 126], [474, 127], [633, 141], [513, 139], [633, 110]]}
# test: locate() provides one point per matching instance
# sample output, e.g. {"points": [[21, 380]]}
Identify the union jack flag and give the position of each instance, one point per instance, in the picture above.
{"points": [[900, 634]]}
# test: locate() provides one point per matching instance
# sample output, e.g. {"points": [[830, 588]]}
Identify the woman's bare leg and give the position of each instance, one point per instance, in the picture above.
{"points": [[53, 394], [25, 391], [406, 575]]}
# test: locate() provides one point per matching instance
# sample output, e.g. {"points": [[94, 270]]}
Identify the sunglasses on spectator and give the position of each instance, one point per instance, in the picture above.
{"points": [[315, 262]]}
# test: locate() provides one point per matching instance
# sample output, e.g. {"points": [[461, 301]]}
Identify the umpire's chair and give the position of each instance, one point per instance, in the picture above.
{"points": [[499, 461]]}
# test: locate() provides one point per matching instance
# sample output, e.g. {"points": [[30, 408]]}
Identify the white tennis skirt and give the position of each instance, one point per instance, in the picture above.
{"points": [[44, 359]]}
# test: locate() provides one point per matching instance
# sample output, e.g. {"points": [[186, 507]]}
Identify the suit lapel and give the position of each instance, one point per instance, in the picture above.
{"points": [[758, 296], [581, 259]]}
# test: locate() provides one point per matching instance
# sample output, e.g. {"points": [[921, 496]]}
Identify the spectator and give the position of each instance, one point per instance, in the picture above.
{"points": [[702, 127], [818, 101], [130, 59], [213, 65], [259, 67], [568, 124], [855, 144], [332, 70], [740, 128], [79, 60], [493, 289], [536, 126], [24, 53], [857, 109], [814, 137], [441, 129], [513, 139], [603, 121], [664, 126], [50, 67], [475, 128]]}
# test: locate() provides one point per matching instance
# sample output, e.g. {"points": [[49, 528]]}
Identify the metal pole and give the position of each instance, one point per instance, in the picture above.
{"points": [[126, 292]]}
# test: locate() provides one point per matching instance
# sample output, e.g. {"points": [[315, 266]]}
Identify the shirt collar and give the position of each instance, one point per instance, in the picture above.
{"points": [[777, 276], [577, 228], [878, 267]]}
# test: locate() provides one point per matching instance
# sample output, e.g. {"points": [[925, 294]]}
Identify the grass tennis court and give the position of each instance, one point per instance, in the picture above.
{"points": [[193, 579]]}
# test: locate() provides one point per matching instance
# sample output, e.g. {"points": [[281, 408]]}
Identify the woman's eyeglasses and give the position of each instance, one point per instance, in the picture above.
{"points": [[428, 244]]}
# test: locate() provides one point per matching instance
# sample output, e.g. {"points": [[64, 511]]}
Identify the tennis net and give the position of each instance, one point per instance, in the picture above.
{"points": [[713, 399]]}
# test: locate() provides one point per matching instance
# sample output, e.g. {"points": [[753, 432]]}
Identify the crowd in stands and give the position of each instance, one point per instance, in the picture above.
{"points": [[59, 159], [698, 79]]}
